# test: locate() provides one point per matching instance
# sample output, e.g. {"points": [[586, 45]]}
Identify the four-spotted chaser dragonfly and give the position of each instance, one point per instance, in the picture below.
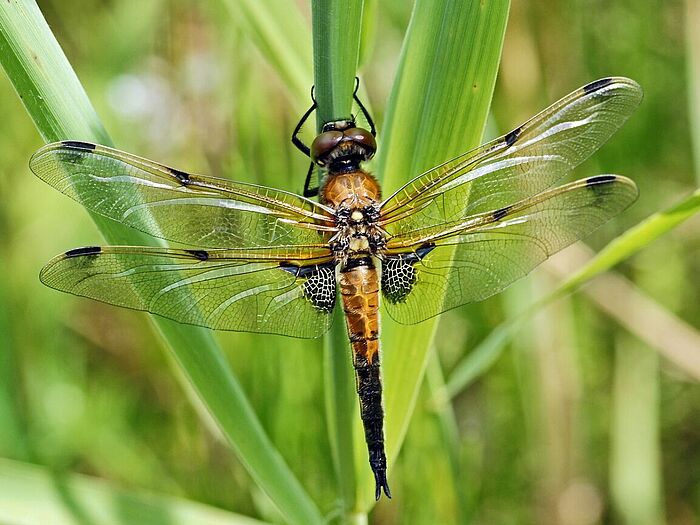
{"points": [[268, 261]]}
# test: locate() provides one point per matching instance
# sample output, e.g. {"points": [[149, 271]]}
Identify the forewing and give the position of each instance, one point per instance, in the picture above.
{"points": [[522, 163], [437, 269], [177, 206], [251, 291]]}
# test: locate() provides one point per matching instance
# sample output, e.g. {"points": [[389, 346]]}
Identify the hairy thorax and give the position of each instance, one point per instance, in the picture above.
{"points": [[355, 196]]}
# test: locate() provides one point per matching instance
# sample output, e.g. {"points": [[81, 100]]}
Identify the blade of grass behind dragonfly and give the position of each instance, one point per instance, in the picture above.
{"points": [[437, 109], [55, 100], [281, 34], [336, 43], [33, 494]]}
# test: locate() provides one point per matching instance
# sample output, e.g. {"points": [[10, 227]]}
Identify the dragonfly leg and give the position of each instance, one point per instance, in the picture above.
{"points": [[372, 128], [308, 190], [295, 134]]}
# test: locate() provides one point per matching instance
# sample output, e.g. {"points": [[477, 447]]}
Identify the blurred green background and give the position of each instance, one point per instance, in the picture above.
{"points": [[590, 416]]}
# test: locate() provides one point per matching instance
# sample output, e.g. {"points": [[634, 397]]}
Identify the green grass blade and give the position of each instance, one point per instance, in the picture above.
{"points": [[480, 359], [336, 35], [692, 36], [36, 65], [341, 408], [336, 42], [437, 109], [446, 419], [632, 241], [34, 495], [635, 465], [280, 32], [57, 103]]}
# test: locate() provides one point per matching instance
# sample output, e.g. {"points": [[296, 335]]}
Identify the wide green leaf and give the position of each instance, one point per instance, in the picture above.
{"points": [[60, 109], [336, 39], [437, 109]]}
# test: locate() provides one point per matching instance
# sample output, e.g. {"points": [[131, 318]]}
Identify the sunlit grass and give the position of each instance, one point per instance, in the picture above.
{"points": [[512, 424]]}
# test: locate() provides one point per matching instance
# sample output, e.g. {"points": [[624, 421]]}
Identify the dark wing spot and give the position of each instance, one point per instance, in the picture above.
{"points": [[319, 284], [499, 214], [202, 255], [88, 250], [76, 144], [597, 84], [399, 273], [183, 177], [319, 287], [600, 186], [511, 137], [598, 179]]}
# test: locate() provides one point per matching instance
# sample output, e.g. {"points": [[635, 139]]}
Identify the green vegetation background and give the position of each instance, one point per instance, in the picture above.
{"points": [[589, 416]]}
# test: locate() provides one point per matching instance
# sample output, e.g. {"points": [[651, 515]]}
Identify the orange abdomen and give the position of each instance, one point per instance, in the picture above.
{"points": [[359, 291]]}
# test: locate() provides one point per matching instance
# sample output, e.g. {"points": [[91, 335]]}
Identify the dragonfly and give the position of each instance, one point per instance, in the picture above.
{"points": [[259, 259]]}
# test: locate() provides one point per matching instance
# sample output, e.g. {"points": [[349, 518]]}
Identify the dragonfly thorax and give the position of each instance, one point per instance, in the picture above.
{"points": [[358, 233]]}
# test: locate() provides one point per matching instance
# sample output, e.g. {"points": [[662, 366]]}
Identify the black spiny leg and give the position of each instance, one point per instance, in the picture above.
{"points": [[372, 128], [308, 191], [295, 134]]}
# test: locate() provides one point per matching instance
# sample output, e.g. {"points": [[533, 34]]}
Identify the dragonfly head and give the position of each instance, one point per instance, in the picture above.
{"points": [[341, 146]]}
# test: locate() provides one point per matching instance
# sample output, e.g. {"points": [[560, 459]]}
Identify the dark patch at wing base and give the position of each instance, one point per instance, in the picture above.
{"points": [[399, 274], [319, 285]]}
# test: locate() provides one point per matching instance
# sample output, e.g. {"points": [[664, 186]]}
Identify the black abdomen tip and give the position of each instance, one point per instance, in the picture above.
{"points": [[381, 484], [88, 250]]}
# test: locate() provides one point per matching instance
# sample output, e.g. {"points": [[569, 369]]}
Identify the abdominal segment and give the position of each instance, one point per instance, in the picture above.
{"points": [[359, 289]]}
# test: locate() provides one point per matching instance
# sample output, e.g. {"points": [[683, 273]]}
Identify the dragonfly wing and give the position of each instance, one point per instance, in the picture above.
{"points": [[177, 206], [436, 269], [247, 290], [522, 163]]}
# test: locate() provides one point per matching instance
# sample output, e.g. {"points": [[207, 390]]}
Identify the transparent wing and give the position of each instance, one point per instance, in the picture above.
{"points": [[251, 291], [435, 269], [174, 205], [522, 163]]}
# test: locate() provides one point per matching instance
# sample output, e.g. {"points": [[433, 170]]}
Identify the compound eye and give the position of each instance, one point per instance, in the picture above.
{"points": [[364, 138], [323, 144]]}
